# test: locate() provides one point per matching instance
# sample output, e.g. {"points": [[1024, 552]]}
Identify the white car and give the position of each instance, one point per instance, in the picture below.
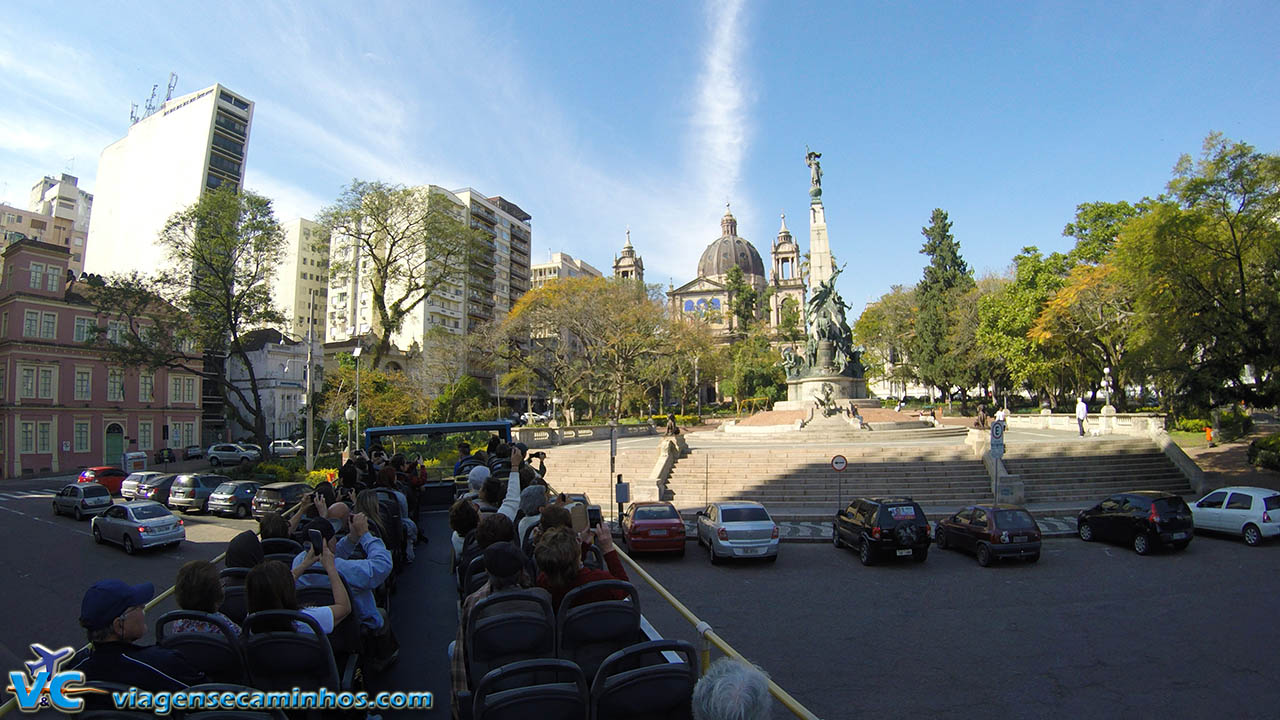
{"points": [[138, 524], [230, 454], [531, 418], [737, 529], [1250, 512], [285, 448]]}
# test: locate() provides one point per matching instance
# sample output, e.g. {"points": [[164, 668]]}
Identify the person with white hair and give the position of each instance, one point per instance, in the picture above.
{"points": [[475, 481], [1082, 414], [732, 690]]}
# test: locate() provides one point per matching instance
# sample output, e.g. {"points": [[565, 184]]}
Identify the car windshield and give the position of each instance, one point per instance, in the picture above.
{"points": [[1273, 502], [96, 491], [157, 481], [146, 512], [225, 489], [1171, 505], [656, 512], [185, 481], [752, 514], [1014, 520]]}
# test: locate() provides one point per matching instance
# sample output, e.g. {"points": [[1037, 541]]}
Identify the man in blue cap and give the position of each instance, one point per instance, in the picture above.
{"points": [[113, 613]]}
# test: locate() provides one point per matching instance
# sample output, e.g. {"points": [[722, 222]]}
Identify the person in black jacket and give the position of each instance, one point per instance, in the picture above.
{"points": [[113, 614]]}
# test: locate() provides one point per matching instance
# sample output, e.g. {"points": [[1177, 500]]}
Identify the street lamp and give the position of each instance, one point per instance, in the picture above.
{"points": [[697, 388], [351, 417], [1106, 383]]}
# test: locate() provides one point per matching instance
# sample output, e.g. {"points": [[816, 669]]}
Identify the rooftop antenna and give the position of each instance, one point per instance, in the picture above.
{"points": [[173, 82], [151, 105]]}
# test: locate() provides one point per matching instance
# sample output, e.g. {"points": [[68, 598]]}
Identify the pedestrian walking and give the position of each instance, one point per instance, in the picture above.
{"points": [[1082, 414]]}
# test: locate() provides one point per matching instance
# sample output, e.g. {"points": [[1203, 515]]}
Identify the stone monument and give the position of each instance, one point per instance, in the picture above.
{"points": [[828, 369]]}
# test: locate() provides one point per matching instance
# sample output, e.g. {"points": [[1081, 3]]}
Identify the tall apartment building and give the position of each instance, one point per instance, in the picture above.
{"points": [[18, 224], [189, 144], [300, 286], [561, 265], [491, 286]]}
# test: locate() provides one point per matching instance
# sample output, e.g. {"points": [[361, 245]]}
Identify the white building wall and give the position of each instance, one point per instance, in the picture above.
{"points": [[156, 170], [281, 374], [303, 270]]}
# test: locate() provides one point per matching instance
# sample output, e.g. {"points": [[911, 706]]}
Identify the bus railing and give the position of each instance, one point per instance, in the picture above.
{"points": [[709, 637]]}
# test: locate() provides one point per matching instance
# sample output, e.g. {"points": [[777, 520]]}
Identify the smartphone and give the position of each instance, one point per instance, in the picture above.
{"points": [[595, 516], [317, 542], [578, 512]]}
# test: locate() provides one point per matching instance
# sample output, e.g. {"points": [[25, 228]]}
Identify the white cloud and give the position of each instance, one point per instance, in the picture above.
{"points": [[719, 119]]}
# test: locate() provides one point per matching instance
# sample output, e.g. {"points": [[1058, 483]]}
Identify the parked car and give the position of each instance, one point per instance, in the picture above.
{"points": [[165, 455], [285, 449], [194, 452], [737, 529], [252, 448], [653, 527], [234, 497], [192, 491], [129, 487], [883, 527], [991, 532], [278, 497], [81, 500], [138, 524], [1249, 512], [534, 418], [156, 489], [1142, 519], [106, 476], [229, 454]]}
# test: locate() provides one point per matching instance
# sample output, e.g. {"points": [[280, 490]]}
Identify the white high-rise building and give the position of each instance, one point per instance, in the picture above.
{"points": [[300, 286], [560, 266], [167, 160]]}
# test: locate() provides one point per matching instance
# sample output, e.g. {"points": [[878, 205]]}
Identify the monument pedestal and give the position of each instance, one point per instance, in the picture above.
{"points": [[802, 394]]}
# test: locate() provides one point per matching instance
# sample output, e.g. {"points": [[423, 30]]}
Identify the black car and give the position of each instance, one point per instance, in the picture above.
{"points": [[882, 527], [278, 497], [1143, 519]]}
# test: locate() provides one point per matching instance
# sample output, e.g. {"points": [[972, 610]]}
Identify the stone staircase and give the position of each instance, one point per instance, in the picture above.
{"points": [[795, 481], [1086, 471], [798, 483], [586, 470]]}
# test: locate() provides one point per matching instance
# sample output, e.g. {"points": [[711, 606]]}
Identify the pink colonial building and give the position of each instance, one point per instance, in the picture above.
{"points": [[62, 407]]}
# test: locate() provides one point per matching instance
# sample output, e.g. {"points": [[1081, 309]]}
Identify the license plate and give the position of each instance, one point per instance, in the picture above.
{"points": [[903, 553], [1179, 536], [99, 501], [1019, 538], [657, 533], [751, 551]]}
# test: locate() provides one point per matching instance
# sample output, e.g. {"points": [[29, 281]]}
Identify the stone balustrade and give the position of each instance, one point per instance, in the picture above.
{"points": [[1107, 422], [541, 437]]}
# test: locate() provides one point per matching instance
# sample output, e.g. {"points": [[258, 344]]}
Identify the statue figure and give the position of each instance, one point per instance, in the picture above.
{"points": [[824, 401], [815, 169], [791, 363]]}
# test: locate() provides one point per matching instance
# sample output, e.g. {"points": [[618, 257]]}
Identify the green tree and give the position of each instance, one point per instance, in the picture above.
{"points": [[405, 243], [886, 329], [1096, 227], [945, 278], [1203, 261], [213, 289], [753, 369], [790, 321], [1005, 319], [742, 298], [386, 397]]}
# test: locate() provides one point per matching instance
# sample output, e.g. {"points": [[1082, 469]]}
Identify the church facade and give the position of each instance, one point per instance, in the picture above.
{"points": [[707, 296]]}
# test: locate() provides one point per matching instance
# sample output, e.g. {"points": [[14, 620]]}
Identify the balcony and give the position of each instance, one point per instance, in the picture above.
{"points": [[518, 234], [479, 311]]}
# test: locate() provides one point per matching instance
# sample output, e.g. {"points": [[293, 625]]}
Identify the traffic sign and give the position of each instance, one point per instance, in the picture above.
{"points": [[997, 438], [838, 463]]}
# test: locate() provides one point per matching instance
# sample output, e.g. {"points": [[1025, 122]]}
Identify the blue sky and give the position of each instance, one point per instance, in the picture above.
{"points": [[598, 116]]}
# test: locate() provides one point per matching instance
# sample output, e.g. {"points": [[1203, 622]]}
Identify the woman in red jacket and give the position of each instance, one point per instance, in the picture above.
{"points": [[560, 569]]}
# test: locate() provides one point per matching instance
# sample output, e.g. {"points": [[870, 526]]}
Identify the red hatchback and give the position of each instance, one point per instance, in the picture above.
{"points": [[108, 477], [653, 527]]}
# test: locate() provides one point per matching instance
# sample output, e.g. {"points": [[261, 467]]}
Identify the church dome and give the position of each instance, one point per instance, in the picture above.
{"points": [[729, 250]]}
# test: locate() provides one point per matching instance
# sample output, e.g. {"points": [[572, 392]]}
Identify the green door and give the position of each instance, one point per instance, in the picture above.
{"points": [[113, 449]]}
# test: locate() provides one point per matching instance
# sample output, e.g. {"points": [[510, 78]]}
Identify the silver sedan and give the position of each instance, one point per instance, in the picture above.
{"points": [[138, 524], [737, 529], [81, 500]]}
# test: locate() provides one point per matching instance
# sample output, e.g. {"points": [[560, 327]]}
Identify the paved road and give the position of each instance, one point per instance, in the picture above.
{"points": [[50, 561], [1090, 631]]}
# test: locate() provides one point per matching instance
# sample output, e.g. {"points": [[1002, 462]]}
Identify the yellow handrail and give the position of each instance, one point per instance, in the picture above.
{"points": [[710, 637], [12, 702]]}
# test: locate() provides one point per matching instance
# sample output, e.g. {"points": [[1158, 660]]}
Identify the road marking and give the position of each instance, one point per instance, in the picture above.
{"points": [[47, 522]]}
